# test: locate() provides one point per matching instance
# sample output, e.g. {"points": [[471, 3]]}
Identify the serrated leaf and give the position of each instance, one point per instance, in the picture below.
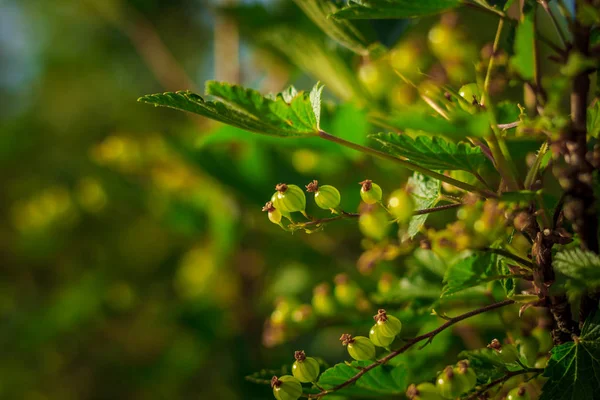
{"points": [[288, 114], [578, 264], [473, 270], [460, 125], [425, 192], [573, 371], [485, 363], [343, 32], [593, 120], [382, 380], [433, 152], [524, 59], [393, 9]]}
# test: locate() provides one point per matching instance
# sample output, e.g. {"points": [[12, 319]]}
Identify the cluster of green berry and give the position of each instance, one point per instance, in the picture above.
{"points": [[452, 382], [291, 317], [304, 370], [374, 216], [409, 68], [478, 225], [382, 334], [346, 294], [307, 369], [374, 221], [457, 380], [291, 198]]}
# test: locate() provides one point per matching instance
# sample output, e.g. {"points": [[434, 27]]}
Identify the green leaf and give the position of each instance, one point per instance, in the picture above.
{"points": [[460, 125], [573, 371], [485, 363], [382, 380], [473, 270], [593, 120], [343, 32], [524, 59], [425, 192], [391, 9], [578, 264], [433, 152], [288, 114]]}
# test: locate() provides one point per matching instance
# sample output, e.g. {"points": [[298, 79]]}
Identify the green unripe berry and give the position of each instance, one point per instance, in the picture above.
{"points": [[290, 198], [528, 349], [305, 369], [378, 339], [327, 197], [303, 316], [464, 372], [374, 224], [386, 282], [274, 214], [401, 205], [322, 301], [541, 362], [448, 385], [346, 291], [507, 353], [544, 338], [389, 325], [283, 310], [518, 393], [360, 348], [370, 192], [286, 388], [471, 93], [423, 391]]}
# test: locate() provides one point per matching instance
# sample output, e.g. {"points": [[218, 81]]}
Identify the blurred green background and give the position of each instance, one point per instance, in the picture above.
{"points": [[135, 261]]}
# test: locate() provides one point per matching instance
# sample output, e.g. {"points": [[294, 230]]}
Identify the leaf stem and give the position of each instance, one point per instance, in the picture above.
{"points": [[535, 168], [488, 75], [411, 342], [407, 164]]}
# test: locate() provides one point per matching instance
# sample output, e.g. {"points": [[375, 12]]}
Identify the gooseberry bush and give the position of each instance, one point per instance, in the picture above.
{"points": [[504, 138]]}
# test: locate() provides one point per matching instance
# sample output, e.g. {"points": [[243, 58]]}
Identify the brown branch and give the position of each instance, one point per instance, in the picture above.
{"points": [[347, 215], [411, 342], [577, 176], [503, 379]]}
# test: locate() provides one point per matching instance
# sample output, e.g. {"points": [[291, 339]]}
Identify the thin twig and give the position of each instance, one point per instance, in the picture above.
{"points": [[347, 215], [411, 342], [509, 125], [488, 75]]}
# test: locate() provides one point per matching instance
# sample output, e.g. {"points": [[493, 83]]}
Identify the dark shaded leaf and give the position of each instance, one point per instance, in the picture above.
{"points": [[573, 371], [578, 264], [343, 32]]}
